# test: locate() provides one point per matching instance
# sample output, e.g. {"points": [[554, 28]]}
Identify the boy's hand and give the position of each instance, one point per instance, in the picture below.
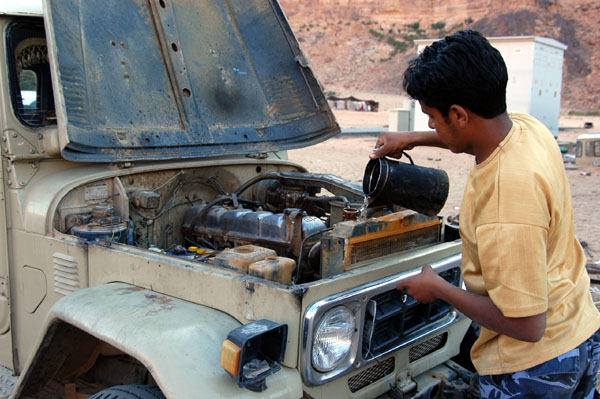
{"points": [[391, 144], [423, 286]]}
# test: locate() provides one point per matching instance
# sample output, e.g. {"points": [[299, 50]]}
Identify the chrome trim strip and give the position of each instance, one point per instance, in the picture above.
{"points": [[356, 300]]}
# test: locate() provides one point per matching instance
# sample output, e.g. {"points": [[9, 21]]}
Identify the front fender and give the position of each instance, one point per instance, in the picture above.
{"points": [[179, 342]]}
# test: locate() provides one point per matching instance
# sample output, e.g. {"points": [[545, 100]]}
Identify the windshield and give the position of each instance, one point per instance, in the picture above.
{"points": [[29, 73]]}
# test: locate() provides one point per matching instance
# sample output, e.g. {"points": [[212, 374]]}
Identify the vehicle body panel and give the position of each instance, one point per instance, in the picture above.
{"points": [[244, 297], [193, 79], [22, 7], [165, 109], [133, 320]]}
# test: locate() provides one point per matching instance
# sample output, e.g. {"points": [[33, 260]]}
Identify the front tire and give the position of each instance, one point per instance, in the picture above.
{"points": [[130, 392]]}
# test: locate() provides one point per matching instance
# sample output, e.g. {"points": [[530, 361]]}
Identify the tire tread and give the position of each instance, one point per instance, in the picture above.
{"points": [[130, 392]]}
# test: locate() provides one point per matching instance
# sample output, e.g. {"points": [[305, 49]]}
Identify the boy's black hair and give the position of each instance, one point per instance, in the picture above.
{"points": [[462, 69]]}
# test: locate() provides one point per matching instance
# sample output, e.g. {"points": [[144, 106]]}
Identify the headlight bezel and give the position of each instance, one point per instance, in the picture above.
{"points": [[357, 300], [351, 312]]}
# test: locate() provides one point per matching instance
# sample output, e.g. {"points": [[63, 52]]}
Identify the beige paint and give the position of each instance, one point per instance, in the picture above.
{"points": [[41, 263], [34, 288], [123, 315], [6, 348]]}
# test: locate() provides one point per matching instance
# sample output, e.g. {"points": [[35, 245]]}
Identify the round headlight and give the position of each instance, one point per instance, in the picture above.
{"points": [[333, 339]]}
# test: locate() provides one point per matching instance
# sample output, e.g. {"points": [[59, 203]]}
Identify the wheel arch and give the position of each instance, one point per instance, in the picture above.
{"points": [[178, 342]]}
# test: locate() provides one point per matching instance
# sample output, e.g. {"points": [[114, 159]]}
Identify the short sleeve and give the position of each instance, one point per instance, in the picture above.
{"points": [[514, 267]]}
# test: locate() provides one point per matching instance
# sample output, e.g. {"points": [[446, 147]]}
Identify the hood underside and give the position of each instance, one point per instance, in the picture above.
{"points": [[163, 79]]}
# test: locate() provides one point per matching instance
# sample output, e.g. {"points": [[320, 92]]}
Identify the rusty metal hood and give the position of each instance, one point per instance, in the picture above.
{"points": [[164, 79]]}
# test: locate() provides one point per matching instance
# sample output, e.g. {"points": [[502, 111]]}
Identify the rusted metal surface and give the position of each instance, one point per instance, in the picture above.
{"points": [[282, 231], [181, 79]]}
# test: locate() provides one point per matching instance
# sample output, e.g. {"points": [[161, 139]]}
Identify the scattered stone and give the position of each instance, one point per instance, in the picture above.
{"points": [[587, 250], [7, 382], [595, 291]]}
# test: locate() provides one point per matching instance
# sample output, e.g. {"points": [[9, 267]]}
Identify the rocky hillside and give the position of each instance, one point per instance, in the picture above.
{"points": [[365, 44]]}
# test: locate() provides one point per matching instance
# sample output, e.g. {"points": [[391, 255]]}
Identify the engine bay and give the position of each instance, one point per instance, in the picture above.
{"points": [[285, 225]]}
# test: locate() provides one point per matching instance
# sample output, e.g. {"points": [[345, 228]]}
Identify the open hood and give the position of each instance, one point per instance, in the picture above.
{"points": [[164, 79]]}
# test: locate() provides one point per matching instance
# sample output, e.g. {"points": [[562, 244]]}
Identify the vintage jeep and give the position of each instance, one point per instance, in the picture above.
{"points": [[156, 242]]}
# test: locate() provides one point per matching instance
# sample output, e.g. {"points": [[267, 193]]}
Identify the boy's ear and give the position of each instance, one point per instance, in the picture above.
{"points": [[458, 115]]}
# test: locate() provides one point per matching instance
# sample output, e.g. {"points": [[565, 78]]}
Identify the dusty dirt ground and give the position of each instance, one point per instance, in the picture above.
{"points": [[347, 155]]}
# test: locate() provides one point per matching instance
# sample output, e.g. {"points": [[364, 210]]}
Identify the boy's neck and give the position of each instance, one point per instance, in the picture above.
{"points": [[488, 134]]}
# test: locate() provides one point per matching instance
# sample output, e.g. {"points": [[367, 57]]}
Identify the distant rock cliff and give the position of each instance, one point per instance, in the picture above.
{"points": [[366, 44]]}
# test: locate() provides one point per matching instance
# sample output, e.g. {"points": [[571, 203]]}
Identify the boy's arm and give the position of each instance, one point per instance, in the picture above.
{"points": [[392, 143], [428, 286]]}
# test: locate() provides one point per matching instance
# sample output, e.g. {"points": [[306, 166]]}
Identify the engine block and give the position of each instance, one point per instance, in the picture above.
{"points": [[282, 232]]}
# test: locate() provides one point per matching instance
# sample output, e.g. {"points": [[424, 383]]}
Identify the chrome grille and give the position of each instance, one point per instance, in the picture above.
{"points": [[371, 374], [427, 347], [393, 315], [388, 322]]}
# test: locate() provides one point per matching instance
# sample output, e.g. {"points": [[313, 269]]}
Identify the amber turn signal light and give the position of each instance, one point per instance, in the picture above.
{"points": [[230, 357], [254, 351]]}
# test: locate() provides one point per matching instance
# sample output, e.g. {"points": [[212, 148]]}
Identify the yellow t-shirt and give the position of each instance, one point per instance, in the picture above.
{"points": [[520, 249]]}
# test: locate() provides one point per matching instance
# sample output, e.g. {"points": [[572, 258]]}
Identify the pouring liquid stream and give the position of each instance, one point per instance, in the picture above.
{"points": [[363, 209]]}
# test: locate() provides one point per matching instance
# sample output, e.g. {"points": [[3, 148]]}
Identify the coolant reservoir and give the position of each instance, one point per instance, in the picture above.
{"points": [[274, 268], [243, 256]]}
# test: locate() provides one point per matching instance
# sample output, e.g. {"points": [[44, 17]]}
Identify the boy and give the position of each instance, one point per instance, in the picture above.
{"points": [[523, 266]]}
